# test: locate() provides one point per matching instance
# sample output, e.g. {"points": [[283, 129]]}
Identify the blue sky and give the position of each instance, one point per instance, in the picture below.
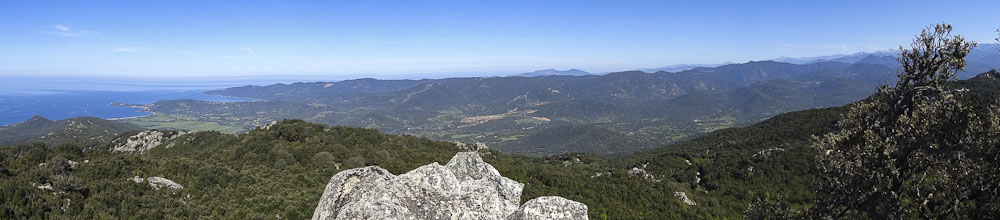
{"points": [[230, 38]]}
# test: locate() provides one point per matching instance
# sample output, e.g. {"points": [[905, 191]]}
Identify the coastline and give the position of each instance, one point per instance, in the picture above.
{"points": [[131, 117], [100, 104]]}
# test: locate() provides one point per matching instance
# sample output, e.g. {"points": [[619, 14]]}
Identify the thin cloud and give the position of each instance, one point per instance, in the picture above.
{"points": [[250, 50], [62, 28], [59, 33], [64, 31]]}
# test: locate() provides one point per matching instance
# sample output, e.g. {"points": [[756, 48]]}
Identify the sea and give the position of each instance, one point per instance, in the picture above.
{"points": [[62, 97], [58, 98]]}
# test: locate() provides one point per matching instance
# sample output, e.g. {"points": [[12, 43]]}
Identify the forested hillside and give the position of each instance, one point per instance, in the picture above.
{"points": [[84, 131], [279, 172], [283, 170]]}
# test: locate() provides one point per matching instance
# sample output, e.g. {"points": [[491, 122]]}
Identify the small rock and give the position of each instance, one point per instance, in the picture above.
{"points": [[684, 198], [65, 206], [768, 152], [137, 179], [599, 174], [72, 164], [46, 186]]}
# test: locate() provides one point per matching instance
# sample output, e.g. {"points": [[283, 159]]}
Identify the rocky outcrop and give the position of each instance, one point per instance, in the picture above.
{"points": [[474, 147], [465, 188], [684, 198], [268, 125], [144, 141], [160, 182], [550, 207], [641, 172], [768, 152]]}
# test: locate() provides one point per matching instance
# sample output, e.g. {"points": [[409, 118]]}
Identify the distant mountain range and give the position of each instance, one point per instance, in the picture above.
{"points": [[553, 72], [982, 58], [845, 58], [681, 67], [551, 111], [610, 114]]}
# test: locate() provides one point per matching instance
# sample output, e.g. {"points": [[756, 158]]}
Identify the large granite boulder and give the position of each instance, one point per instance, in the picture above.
{"points": [[160, 182], [550, 207], [465, 188]]}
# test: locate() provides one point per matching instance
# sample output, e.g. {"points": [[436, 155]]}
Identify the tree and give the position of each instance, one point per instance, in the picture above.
{"points": [[68, 150], [354, 162], [764, 208], [920, 149], [323, 159]]}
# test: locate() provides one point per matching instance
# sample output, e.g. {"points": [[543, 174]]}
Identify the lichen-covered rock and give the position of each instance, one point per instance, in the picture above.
{"points": [[160, 182], [350, 192], [465, 188], [550, 207]]}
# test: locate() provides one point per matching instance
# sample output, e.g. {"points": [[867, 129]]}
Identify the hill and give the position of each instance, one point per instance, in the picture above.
{"points": [[721, 171], [74, 130], [679, 67]]}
